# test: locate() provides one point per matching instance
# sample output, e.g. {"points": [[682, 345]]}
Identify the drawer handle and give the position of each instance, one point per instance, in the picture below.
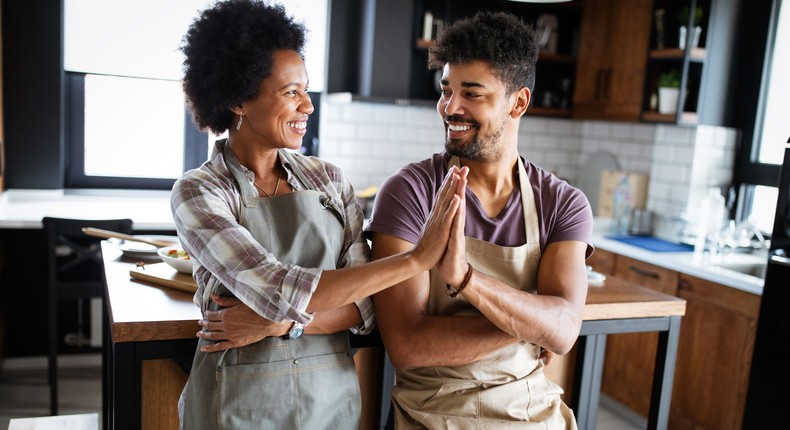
{"points": [[684, 285], [644, 273]]}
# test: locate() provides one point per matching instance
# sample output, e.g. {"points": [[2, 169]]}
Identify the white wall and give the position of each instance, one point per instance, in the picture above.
{"points": [[370, 141]]}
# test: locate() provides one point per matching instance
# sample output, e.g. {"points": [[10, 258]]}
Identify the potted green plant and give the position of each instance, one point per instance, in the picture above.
{"points": [[668, 91]]}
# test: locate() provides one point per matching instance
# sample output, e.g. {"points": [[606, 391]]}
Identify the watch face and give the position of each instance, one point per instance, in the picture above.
{"points": [[296, 331]]}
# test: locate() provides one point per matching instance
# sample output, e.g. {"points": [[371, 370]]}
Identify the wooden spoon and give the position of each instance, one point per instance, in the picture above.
{"points": [[107, 234]]}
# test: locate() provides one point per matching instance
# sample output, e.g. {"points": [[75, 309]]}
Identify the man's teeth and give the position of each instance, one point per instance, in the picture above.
{"points": [[459, 127], [297, 124]]}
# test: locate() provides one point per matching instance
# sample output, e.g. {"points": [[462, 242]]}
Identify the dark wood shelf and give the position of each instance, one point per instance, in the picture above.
{"points": [[690, 118], [553, 112], [677, 54], [548, 57]]}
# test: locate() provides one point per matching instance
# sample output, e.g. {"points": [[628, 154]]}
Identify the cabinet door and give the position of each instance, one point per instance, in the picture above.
{"points": [[630, 358], [602, 262], [613, 43], [714, 355]]}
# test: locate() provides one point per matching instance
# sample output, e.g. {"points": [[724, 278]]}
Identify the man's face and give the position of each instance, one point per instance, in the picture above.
{"points": [[474, 108]]}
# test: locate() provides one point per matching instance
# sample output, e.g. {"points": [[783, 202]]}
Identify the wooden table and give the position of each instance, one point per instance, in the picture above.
{"points": [[148, 324], [622, 307], [151, 330]]}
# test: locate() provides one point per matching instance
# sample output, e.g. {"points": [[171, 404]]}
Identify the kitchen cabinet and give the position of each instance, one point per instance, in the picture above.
{"points": [[714, 353], [603, 262], [628, 368], [391, 39], [613, 42], [703, 54]]}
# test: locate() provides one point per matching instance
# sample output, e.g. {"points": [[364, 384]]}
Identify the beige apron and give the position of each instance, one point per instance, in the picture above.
{"points": [[307, 383], [507, 389]]}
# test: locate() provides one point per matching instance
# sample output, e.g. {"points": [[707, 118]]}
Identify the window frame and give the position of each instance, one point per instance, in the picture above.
{"points": [[195, 145], [747, 170]]}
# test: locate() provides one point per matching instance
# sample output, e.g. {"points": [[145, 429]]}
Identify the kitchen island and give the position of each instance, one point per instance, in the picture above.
{"points": [[152, 338]]}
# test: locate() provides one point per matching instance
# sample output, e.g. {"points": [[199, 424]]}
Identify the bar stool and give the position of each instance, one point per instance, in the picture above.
{"points": [[74, 272]]}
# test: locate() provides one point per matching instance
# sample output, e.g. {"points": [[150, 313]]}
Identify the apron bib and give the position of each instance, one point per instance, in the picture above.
{"points": [[505, 390], [307, 383]]}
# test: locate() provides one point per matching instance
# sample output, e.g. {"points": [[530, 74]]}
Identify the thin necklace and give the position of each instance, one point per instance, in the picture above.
{"points": [[276, 186]]}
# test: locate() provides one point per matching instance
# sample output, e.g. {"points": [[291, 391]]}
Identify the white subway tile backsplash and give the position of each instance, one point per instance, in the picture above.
{"points": [[370, 131], [533, 124], [679, 135], [370, 141], [621, 130], [643, 132], [338, 130], [389, 114]]}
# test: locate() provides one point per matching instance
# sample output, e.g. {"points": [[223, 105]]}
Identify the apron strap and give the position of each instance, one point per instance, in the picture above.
{"points": [[327, 201], [531, 228]]}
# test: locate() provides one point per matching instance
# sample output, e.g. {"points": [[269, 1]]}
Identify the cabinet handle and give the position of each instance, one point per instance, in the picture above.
{"points": [[642, 272], [606, 86], [599, 84], [684, 285]]}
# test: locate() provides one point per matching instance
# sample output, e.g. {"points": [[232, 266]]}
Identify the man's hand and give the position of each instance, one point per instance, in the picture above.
{"points": [[453, 264], [235, 326]]}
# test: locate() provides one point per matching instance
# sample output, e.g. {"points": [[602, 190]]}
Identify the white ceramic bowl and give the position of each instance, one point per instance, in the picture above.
{"points": [[181, 264]]}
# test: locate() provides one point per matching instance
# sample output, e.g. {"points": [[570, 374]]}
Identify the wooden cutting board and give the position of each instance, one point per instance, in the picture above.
{"points": [[164, 275]]}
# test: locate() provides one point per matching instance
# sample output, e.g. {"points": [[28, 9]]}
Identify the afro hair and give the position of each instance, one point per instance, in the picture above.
{"points": [[228, 51]]}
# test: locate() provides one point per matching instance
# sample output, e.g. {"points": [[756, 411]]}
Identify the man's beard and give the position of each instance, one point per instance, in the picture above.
{"points": [[482, 148]]}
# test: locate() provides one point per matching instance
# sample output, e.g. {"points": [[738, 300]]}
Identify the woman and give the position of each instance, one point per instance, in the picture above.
{"points": [[275, 234]]}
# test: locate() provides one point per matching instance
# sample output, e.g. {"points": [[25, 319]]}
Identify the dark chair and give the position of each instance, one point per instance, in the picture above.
{"points": [[74, 272]]}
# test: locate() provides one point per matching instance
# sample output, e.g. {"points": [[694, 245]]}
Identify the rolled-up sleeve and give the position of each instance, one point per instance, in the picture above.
{"points": [[205, 211]]}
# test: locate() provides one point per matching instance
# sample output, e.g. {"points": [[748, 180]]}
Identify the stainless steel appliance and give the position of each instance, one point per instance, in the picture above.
{"points": [[769, 383]]}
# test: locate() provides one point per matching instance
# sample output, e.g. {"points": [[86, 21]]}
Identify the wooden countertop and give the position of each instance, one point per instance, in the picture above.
{"points": [[140, 311], [617, 299]]}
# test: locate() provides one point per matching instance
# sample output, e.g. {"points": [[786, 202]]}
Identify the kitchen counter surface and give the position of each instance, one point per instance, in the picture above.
{"points": [[24, 209], [685, 262]]}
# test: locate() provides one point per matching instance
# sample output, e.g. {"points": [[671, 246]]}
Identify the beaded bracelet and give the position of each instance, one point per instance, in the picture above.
{"points": [[452, 292]]}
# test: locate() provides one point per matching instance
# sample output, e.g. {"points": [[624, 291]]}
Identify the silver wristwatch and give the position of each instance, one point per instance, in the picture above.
{"points": [[296, 331]]}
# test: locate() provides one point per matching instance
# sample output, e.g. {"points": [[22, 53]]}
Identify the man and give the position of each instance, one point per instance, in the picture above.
{"points": [[467, 337]]}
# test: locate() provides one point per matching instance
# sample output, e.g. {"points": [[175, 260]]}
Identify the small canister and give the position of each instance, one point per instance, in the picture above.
{"points": [[641, 222]]}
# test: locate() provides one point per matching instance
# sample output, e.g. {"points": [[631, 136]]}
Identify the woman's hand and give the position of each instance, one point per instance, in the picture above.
{"points": [[435, 234], [453, 265], [235, 326]]}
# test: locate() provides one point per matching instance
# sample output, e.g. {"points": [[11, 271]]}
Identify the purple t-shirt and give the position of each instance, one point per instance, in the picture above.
{"points": [[404, 202]]}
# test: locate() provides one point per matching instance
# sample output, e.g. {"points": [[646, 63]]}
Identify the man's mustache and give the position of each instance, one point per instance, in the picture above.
{"points": [[457, 118]]}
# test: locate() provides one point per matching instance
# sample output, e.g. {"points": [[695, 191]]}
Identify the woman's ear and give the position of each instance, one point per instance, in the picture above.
{"points": [[521, 99]]}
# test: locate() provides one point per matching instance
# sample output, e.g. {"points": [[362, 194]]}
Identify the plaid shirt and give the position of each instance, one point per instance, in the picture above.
{"points": [[206, 206]]}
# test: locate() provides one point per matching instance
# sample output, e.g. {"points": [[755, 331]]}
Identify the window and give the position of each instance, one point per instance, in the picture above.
{"points": [[127, 123], [757, 170]]}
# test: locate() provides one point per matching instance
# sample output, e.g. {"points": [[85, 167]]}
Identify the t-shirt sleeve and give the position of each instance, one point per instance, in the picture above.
{"points": [[572, 217], [403, 203]]}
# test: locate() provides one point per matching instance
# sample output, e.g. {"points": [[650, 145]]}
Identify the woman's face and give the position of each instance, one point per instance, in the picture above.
{"points": [[277, 116]]}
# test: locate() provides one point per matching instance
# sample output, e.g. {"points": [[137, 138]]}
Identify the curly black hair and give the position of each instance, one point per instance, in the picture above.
{"points": [[501, 39], [229, 50]]}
